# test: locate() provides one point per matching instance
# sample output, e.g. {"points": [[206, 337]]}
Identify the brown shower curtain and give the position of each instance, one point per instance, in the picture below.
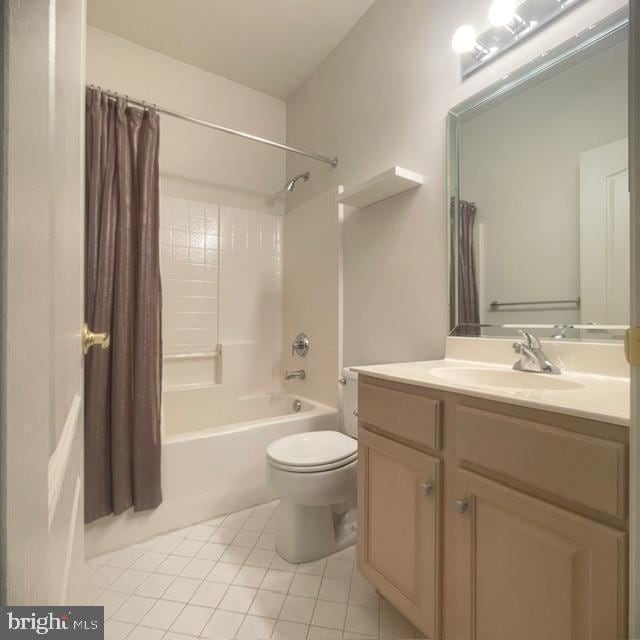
{"points": [[123, 297], [468, 305]]}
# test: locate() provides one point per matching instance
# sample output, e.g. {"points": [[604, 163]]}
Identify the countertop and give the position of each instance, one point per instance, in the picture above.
{"points": [[595, 397]]}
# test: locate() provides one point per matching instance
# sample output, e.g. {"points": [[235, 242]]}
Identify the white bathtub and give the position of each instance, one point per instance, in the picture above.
{"points": [[213, 461]]}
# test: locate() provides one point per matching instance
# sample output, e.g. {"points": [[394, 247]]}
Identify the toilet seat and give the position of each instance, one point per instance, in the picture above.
{"points": [[312, 452]]}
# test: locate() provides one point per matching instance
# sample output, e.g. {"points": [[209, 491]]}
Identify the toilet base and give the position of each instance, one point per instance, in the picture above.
{"points": [[305, 533]]}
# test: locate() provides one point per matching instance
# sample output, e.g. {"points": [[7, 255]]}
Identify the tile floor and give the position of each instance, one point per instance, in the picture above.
{"points": [[222, 579]]}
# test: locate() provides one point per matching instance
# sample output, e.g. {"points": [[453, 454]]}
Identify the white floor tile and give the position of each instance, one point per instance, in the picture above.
{"points": [[173, 565], [215, 522], [149, 561], [89, 569], [329, 614], [144, 545], [145, 633], [313, 568], [260, 558], [246, 538], [223, 625], [339, 566], [209, 594], [352, 635], [182, 533], [201, 532], [111, 601], [304, 585], [188, 548], [266, 541], [116, 630], [212, 551], [174, 635], [198, 568], [362, 620], [255, 524], [298, 609], [322, 633], [125, 557], [238, 599], [277, 581], [91, 594], [290, 631], [162, 614], [267, 604], [249, 576], [224, 572], [165, 544], [133, 609], [334, 589], [102, 558], [265, 510], [235, 554], [254, 628], [192, 620], [129, 581], [154, 586], [235, 520], [223, 535], [363, 593], [104, 577], [182, 589], [281, 564]]}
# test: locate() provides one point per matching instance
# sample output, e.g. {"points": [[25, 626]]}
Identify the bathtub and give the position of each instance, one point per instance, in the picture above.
{"points": [[213, 460]]}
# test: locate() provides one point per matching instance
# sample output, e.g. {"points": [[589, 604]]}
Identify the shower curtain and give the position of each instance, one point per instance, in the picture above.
{"points": [[123, 297], [468, 305]]}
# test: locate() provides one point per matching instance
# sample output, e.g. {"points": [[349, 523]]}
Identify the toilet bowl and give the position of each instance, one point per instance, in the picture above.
{"points": [[314, 475]]}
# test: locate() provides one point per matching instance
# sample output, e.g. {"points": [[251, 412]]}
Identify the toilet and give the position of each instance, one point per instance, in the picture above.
{"points": [[314, 474]]}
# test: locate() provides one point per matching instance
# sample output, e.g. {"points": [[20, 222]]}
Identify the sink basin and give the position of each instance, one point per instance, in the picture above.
{"points": [[477, 377]]}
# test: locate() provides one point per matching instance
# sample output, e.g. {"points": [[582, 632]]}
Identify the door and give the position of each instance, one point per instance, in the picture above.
{"points": [[42, 273], [528, 570], [398, 526], [604, 234]]}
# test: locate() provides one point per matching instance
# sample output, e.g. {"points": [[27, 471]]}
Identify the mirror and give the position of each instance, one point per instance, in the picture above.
{"points": [[539, 197]]}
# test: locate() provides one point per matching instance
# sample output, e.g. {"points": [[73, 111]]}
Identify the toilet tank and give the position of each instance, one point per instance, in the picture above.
{"points": [[350, 402]]}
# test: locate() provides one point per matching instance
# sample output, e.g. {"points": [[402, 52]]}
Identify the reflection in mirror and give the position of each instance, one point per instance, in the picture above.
{"points": [[540, 207]]}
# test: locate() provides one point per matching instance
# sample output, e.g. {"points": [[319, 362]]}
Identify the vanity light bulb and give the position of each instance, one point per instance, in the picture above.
{"points": [[502, 12], [464, 39]]}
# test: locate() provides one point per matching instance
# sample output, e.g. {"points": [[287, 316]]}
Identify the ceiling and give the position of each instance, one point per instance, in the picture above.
{"points": [[269, 45]]}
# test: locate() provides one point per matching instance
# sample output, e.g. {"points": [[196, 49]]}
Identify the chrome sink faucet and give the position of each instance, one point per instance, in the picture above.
{"points": [[532, 357]]}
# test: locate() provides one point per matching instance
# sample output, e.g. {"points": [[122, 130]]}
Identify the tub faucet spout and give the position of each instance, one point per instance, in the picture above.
{"points": [[295, 375]]}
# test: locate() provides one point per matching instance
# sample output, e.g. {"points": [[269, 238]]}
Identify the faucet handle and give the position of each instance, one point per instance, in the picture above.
{"points": [[530, 340]]}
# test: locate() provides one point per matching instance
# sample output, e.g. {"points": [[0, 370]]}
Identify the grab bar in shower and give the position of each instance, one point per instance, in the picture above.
{"points": [[495, 305], [195, 355]]}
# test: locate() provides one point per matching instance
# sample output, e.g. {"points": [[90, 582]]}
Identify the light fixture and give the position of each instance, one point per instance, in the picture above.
{"points": [[502, 12], [464, 39]]}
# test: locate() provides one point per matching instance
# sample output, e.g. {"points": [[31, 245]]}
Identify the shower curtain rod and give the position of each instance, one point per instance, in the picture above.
{"points": [[242, 134]]}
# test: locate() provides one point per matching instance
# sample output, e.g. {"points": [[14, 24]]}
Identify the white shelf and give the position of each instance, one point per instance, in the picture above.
{"points": [[383, 186]]}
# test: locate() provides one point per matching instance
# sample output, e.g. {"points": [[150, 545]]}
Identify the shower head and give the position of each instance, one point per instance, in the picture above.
{"points": [[291, 184]]}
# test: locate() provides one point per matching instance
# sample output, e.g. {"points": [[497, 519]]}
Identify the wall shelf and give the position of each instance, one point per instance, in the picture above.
{"points": [[386, 184]]}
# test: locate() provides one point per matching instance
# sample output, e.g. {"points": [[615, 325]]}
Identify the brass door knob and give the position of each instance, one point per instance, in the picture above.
{"points": [[91, 339]]}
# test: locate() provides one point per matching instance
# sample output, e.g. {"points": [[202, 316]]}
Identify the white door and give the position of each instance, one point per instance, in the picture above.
{"points": [[604, 234], [42, 368]]}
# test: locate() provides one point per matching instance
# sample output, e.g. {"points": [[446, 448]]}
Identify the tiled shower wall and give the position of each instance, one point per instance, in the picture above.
{"points": [[222, 296]]}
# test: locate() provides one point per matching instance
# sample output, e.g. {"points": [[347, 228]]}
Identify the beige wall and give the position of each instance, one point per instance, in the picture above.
{"points": [[313, 295], [520, 162], [380, 99]]}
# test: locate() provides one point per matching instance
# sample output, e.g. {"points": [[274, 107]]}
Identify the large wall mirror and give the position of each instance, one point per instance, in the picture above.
{"points": [[539, 202]]}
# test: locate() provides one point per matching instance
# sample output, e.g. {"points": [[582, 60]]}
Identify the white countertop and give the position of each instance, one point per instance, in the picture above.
{"points": [[596, 397]]}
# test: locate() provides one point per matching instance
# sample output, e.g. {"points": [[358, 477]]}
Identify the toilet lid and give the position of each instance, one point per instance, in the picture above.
{"points": [[313, 449]]}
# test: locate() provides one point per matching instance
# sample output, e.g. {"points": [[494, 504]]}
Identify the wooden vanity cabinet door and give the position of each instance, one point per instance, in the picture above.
{"points": [[398, 526], [527, 570]]}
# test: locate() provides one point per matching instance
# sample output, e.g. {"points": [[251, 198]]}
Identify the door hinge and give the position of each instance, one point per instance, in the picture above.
{"points": [[632, 345]]}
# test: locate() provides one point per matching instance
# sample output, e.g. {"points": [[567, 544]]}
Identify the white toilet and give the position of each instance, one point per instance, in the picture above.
{"points": [[315, 476]]}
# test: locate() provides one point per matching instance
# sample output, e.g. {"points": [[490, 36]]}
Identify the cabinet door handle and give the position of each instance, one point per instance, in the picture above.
{"points": [[462, 505], [425, 488]]}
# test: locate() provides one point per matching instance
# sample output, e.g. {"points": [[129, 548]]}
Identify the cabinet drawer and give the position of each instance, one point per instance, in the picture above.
{"points": [[583, 469], [406, 415]]}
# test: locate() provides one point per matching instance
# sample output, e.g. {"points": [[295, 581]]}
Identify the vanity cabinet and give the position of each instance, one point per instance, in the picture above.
{"points": [[486, 520], [399, 525]]}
